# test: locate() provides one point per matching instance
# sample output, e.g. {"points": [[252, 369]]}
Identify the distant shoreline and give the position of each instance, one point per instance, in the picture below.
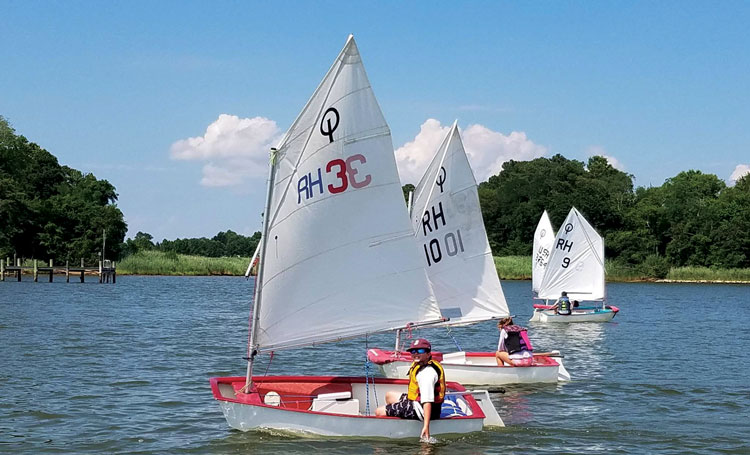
{"points": [[644, 280], [152, 262]]}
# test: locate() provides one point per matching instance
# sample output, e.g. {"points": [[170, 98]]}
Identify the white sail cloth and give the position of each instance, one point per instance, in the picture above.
{"points": [[449, 229], [576, 265], [340, 260], [544, 238]]}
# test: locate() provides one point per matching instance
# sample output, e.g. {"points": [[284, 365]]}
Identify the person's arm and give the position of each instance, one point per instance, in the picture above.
{"points": [[427, 378], [427, 416], [501, 343]]}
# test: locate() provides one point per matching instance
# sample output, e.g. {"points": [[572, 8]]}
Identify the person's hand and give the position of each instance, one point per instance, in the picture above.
{"points": [[425, 436]]}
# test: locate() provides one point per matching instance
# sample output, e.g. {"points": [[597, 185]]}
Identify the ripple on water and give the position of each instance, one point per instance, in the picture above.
{"points": [[125, 369]]}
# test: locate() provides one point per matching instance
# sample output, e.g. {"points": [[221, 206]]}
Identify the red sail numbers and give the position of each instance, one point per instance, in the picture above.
{"points": [[339, 176]]}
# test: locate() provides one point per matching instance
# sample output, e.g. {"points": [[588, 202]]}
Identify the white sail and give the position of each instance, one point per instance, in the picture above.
{"points": [[448, 225], [544, 238], [340, 260], [576, 265]]}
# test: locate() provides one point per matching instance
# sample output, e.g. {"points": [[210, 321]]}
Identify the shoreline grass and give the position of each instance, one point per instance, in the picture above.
{"points": [[170, 263], [519, 268], [508, 268]]}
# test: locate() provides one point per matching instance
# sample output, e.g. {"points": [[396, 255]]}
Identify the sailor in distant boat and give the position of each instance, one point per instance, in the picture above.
{"points": [[426, 391], [514, 347], [562, 305]]}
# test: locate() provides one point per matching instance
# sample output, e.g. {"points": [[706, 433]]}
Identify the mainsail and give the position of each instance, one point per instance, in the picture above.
{"points": [[339, 258], [576, 265], [449, 229], [544, 238]]}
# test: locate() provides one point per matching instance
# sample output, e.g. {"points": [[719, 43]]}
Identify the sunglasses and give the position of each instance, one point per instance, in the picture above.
{"points": [[418, 351]]}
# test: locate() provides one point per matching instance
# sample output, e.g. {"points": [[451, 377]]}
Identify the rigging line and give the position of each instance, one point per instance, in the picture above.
{"points": [[250, 315], [367, 384], [269, 364], [450, 332]]}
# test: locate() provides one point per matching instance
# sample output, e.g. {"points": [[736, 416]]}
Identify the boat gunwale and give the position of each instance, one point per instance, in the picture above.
{"points": [[457, 388], [549, 362]]}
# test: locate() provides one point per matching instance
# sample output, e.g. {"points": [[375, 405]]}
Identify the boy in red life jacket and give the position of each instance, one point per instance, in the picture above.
{"points": [[514, 347], [426, 389]]}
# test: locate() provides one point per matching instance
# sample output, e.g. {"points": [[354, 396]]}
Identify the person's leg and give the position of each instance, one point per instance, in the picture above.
{"points": [[502, 356], [390, 398]]}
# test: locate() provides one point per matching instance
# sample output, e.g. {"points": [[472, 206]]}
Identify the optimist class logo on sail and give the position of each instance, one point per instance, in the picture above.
{"points": [[340, 174]]}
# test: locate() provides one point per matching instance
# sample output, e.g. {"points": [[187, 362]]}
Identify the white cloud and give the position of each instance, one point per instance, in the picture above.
{"points": [[487, 150], [234, 148], [413, 157], [739, 171], [598, 150]]}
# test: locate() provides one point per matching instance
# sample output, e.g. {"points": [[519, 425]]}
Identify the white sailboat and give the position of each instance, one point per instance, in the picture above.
{"points": [[338, 260], [575, 266], [544, 239], [448, 225]]}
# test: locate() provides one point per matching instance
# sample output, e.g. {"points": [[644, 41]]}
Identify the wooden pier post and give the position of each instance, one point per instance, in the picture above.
{"points": [[2, 270], [100, 270], [114, 272], [18, 264], [51, 270], [36, 271], [67, 272], [81, 270]]}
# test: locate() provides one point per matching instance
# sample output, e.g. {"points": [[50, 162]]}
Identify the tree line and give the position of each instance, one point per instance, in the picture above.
{"points": [[223, 244], [693, 219], [53, 211]]}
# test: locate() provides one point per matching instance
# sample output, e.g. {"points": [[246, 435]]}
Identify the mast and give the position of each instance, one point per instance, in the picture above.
{"points": [[259, 278]]}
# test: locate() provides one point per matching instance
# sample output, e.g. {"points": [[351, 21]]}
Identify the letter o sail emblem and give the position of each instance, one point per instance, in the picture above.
{"points": [[329, 122]]}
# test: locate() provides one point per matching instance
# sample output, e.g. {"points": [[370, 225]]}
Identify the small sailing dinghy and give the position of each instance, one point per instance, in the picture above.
{"points": [[338, 260], [575, 266], [544, 239], [448, 225]]}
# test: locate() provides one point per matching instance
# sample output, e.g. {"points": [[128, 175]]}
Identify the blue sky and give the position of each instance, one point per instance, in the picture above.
{"points": [[119, 88]]}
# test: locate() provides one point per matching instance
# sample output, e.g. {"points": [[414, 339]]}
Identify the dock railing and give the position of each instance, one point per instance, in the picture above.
{"points": [[106, 270]]}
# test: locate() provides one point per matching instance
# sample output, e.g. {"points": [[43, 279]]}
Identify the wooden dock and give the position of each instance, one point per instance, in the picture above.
{"points": [[107, 270]]}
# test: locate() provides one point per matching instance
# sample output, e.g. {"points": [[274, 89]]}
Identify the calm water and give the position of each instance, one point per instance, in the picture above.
{"points": [[89, 368]]}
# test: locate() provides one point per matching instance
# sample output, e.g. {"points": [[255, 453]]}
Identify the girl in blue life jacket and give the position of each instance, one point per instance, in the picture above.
{"points": [[514, 347]]}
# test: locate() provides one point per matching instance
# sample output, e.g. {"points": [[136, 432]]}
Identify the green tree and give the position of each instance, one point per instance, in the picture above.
{"points": [[52, 210]]}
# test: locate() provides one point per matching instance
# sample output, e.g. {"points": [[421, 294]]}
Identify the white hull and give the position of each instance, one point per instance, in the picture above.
{"points": [[576, 316], [483, 370], [247, 417], [245, 413]]}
